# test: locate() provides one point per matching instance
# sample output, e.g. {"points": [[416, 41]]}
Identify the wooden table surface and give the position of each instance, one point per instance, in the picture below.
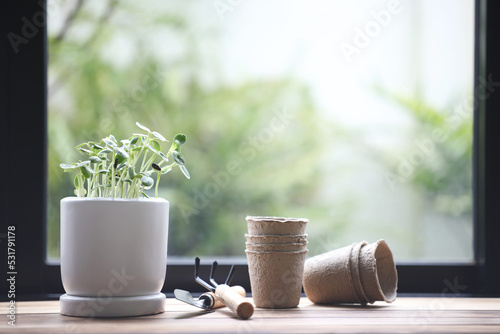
{"points": [[440, 315]]}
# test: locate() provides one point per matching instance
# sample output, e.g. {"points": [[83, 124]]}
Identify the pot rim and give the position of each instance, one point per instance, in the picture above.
{"points": [[275, 219], [108, 199]]}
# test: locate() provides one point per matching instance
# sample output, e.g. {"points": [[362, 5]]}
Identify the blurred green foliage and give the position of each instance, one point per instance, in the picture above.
{"points": [[438, 161], [252, 146]]}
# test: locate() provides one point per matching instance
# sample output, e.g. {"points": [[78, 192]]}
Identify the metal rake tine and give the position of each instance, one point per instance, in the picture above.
{"points": [[196, 266], [205, 284], [230, 276], [198, 279], [212, 273]]}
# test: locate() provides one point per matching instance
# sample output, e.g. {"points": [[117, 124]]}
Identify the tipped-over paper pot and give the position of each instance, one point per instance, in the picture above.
{"points": [[259, 225], [359, 273], [276, 278]]}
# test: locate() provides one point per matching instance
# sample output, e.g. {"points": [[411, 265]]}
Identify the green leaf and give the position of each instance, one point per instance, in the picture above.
{"points": [[119, 159], [131, 172], [159, 136], [95, 159], [163, 156], [134, 140], [127, 180], [75, 181], [180, 139], [103, 171], [144, 194], [121, 152], [106, 151], [86, 171], [113, 138], [109, 142], [81, 145], [165, 170], [156, 145], [184, 171], [142, 127], [138, 148], [67, 166], [96, 146], [147, 182], [178, 158], [121, 166], [83, 163], [84, 150], [152, 148], [77, 191]]}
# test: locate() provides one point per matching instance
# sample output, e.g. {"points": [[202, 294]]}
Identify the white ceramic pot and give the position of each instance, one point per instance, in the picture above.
{"points": [[113, 248]]}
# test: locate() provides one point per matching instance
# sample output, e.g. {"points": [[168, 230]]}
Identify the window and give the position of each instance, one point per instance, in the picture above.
{"points": [[477, 276], [327, 110]]}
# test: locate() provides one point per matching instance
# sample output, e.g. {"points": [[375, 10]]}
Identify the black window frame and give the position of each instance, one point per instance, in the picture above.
{"points": [[23, 101]]}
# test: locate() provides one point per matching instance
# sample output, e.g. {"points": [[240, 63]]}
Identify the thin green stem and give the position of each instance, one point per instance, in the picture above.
{"points": [[150, 161], [81, 185], [89, 185], [157, 183], [95, 179], [113, 181], [142, 150], [102, 192], [129, 192]]}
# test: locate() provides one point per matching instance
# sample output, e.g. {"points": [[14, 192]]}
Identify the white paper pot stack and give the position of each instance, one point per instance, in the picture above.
{"points": [[276, 249]]}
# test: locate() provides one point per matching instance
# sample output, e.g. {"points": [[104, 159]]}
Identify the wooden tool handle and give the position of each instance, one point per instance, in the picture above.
{"points": [[216, 302], [234, 301]]}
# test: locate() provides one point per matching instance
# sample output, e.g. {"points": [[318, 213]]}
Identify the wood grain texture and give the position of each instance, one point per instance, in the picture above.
{"points": [[438, 315]]}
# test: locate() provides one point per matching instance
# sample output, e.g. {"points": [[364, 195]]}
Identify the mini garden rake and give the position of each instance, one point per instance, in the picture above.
{"points": [[234, 301]]}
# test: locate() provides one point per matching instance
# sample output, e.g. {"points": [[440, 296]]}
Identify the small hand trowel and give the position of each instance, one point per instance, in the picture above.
{"points": [[186, 297]]}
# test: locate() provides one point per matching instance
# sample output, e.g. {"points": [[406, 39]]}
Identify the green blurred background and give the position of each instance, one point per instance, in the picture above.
{"points": [[258, 144]]}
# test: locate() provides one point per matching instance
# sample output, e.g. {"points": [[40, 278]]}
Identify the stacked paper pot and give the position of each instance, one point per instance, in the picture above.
{"points": [[276, 250]]}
